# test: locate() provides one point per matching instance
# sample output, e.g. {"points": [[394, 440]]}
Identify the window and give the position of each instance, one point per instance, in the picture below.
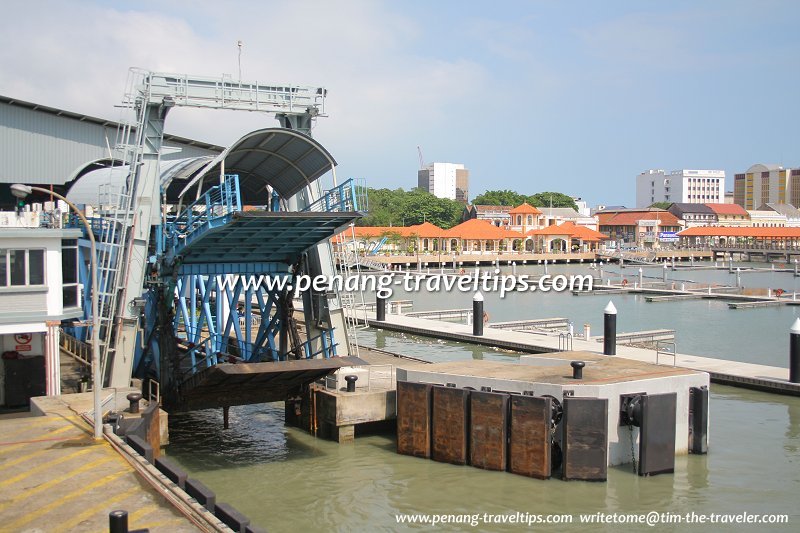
{"points": [[69, 272], [19, 268]]}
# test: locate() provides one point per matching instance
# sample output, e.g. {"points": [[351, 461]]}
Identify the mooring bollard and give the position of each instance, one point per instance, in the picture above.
{"points": [[477, 314], [351, 382], [133, 399], [577, 369], [738, 277], [587, 331], [641, 278], [794, 352], [610, 329], [545, 266], [118, 522], [664, 275], [380, 309]]}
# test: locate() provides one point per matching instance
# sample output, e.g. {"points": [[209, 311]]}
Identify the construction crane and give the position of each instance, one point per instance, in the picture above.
{"points": [[421, 159]]}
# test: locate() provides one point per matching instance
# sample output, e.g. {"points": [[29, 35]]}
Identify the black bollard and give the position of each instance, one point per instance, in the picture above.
{"points": [[794, 352], [118, 522], [477, 314], [134, 398], [610, 329], [351, 382], [380, 309], [577, 369]]}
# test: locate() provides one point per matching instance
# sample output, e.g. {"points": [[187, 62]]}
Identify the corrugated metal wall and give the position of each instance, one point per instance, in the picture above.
{"points": [[43, 148]]}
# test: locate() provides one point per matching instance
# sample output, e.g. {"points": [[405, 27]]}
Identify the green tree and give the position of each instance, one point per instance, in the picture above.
{"points": [[513, 198], [554, 199], [505, 197], [405, 208]]}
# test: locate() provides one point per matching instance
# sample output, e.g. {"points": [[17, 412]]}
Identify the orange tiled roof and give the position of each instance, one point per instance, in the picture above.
{"points": [[426, 229], [572, 230], [728, 209], [525, 209], [715, 231], [632, 218], [480, 229]]}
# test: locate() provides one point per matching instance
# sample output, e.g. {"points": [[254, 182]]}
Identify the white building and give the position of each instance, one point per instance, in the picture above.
{"points": [[445, 180], [38, 288], [681, 186], [583, 206]]}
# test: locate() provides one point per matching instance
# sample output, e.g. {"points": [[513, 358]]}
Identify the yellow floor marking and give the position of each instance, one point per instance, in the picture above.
{"points": [[53, 482], [35, 514], [31, 422], [11, 447], [44, 466], [91, 511], [141, 512], [175, 521], [23, 458]]}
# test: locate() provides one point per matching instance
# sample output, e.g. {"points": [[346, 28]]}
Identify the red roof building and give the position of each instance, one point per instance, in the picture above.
{"points": [[643, 228]]}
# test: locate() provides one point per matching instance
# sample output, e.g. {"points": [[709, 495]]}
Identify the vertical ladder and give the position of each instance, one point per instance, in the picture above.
{"points": [[117, 209], [351, 303]]}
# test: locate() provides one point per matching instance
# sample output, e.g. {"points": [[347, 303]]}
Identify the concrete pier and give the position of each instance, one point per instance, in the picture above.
{"points": [[748, 375], [54, 475], [604, 378]]}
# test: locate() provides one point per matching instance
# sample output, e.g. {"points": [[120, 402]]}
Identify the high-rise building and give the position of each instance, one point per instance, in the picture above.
{"points": [[765, 184], [445, 180], [682, 186]]}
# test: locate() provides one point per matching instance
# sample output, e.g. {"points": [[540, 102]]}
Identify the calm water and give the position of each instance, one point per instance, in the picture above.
{"points": [[287, 480], [703, 327]]}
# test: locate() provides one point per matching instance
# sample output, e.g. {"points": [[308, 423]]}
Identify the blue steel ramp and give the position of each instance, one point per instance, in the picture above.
{"points": [[263, 236]]}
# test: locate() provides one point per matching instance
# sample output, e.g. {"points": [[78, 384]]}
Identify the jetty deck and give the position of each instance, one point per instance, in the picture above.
{"points": [[749, 375], [54, 475]]}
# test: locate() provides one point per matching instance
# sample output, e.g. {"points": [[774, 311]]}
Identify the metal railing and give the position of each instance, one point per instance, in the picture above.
{"points": [[79, 350], [565, 342], [216, 203], [349, 196], [662, 348]]}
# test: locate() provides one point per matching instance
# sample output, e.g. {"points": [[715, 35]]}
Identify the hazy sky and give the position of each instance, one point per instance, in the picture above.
{"points": [[577, 97]]}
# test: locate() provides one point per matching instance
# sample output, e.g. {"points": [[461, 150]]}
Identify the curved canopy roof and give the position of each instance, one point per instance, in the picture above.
{"points": [[174, 175], [283, 159]]}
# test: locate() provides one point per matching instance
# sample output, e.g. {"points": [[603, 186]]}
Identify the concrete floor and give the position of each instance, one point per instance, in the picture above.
{"points": [[55, 477]]}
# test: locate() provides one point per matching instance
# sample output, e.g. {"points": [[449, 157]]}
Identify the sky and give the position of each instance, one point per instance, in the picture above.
{"points": [[572, 96]]}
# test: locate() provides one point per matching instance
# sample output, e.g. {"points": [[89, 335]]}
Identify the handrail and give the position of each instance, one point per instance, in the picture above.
{"points": [[79, 350], [349, 196], [219, 201], [673, 353]]}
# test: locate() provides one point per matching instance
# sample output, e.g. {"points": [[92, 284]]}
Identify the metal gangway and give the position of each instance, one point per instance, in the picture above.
{"points": [[173, 281]]}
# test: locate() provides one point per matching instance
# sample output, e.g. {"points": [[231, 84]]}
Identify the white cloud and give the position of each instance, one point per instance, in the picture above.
{"points": [[76, 56]]}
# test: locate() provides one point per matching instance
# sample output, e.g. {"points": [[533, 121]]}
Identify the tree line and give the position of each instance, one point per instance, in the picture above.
{"points": [[399, 207]]}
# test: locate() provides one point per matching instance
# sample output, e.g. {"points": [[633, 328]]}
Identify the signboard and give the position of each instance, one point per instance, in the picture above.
{"points": [[648, 223], [668, 236], [23, 342]]}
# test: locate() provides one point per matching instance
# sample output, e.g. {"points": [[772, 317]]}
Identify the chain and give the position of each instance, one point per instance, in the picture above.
{"points": [[633, 454]]}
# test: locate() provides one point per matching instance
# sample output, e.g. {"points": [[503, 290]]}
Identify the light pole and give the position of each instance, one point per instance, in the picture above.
{"points": [[22, 191]]}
